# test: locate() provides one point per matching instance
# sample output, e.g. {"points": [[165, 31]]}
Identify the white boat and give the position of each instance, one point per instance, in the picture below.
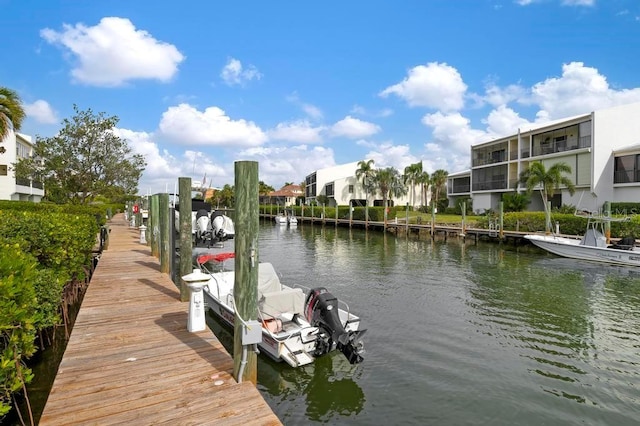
{"points": [[281, 219], [593, 245], [291, 220], [298, 324]]}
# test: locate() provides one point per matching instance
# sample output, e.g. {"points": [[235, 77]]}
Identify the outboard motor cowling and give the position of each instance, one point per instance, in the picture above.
{"points": [[321, 310]]}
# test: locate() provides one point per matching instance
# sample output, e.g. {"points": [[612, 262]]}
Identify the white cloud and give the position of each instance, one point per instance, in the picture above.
{"points": [[186, 125], [42, 112], [360, 110], [114, 52], [311, 110], [504, 121], [387, 154], [496, 95], [454, 132], [234, 74], [278, 165], [579, 90], [354, 128], [298, 131], [436, 85], [163, 168]]}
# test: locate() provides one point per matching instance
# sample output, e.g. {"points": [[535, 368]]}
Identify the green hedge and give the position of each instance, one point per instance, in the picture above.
{"points": [[18, 318], [44, 249], [569, 223]]}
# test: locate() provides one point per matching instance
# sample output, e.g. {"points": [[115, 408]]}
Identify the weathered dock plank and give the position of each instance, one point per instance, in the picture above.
{"points": [[131, 360]]}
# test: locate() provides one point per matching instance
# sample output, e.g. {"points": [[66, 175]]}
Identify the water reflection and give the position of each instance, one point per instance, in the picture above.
{"points": [[563, 316]]}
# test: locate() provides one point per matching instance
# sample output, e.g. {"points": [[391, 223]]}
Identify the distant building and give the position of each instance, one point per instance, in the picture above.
{"points": [[340, 185], [16, 146], [602, 148], [285, 196]]}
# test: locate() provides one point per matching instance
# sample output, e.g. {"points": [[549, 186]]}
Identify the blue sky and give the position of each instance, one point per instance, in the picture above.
{"points": [[301, 85]]}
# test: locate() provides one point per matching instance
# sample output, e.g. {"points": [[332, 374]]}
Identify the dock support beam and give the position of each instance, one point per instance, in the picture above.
{"points": [[245, 292]]}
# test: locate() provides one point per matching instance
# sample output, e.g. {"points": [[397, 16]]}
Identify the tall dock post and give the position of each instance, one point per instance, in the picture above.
{"points": [[186, 246], [154, 223], [245, 291], [406, 228], [501, 230], [165, 234], [607, 224]]}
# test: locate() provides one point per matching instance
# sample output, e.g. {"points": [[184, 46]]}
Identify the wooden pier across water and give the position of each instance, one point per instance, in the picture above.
{"points": [[131, 360]]}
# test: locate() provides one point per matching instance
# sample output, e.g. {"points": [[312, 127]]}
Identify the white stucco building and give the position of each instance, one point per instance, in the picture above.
{"points": [[340, 185], [602, 148], [16, 146]]}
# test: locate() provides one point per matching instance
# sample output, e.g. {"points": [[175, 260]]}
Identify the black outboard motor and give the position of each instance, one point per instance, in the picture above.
{"points": [[321, 310]]}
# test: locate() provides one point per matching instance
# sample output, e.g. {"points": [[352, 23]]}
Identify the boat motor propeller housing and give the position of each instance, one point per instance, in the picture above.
{"points": [[321, 310]]}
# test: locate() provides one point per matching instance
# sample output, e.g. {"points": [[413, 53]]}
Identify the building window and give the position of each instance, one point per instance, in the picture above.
{"points": [[3, 170], [627, 169], [22, 151], [350, 189], [328, 190]]}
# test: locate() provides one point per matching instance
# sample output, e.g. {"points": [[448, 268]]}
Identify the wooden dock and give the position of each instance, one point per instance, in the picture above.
{"points": [[131, 360]]}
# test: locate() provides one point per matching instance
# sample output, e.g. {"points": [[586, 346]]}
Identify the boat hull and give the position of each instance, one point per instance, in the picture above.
{"points": [[567, 247], [273, 348]]}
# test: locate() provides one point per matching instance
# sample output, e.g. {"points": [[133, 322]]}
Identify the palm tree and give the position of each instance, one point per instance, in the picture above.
{"points": [[390, 184], [423, 180], [11, 113], [438, 181], [411, 174], [366, 172], [548, 181]]}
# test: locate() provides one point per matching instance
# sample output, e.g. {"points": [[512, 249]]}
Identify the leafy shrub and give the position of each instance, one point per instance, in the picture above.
{"points": [[18, 320]]}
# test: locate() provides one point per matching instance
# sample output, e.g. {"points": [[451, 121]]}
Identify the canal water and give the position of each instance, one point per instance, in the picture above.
{"points": [[458, 334]]}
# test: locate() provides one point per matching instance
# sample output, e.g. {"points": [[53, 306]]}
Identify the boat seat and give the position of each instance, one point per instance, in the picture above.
{"points": [[281, 301], [268, 280]]}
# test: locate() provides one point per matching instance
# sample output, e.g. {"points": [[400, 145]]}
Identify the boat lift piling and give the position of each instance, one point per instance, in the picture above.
{"points": [[245, 292]]}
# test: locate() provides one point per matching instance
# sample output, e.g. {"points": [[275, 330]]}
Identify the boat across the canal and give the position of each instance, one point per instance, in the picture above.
{"points": [[593, 245], [298, 324]]}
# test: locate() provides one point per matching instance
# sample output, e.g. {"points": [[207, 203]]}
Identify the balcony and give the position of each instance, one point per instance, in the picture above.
{"points": [[561, 145], [490, 185]]}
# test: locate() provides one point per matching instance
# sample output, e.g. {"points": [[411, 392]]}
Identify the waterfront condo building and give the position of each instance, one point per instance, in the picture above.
{"points": [[340, 185], [602, 148], [12, 148]]}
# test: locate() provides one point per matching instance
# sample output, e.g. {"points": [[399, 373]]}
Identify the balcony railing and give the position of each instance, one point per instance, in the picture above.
{"points": [[561, 146], [459, 189], [626, 176], [29, 183], [490, 185]]}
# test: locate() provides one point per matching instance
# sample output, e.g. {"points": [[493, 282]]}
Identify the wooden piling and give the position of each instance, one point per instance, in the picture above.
{"points": [[154, 225], [165, 234], [245, 292], [186, 245]]}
